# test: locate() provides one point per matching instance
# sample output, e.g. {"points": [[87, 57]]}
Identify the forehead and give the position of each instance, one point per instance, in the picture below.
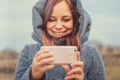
{"points": [[61, 7]]}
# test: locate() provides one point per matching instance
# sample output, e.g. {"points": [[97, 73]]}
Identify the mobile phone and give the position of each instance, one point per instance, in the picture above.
{"points": [[62, 54]]}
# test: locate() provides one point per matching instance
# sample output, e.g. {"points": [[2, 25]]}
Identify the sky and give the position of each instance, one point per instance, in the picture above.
{"points": [[16, 22]]}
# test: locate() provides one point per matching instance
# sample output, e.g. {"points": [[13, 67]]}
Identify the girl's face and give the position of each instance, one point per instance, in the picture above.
{"points": [[60, 22]]}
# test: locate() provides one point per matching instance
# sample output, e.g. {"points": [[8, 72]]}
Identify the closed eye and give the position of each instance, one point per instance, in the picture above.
{"points": [[51, 20], [66, 20]]}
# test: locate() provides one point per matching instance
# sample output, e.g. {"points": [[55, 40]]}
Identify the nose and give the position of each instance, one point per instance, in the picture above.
{"points": [[58, 25]]}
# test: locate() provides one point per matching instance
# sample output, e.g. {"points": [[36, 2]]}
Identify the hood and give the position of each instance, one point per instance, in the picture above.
{"points": [[84, 20]]}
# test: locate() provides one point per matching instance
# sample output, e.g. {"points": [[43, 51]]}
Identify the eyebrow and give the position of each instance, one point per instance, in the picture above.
{"points": [[66, 16], [62, 16], [52, 17]]}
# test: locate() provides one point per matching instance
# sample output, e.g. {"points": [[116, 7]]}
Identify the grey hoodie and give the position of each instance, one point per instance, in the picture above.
{"points": [[93, 64]]}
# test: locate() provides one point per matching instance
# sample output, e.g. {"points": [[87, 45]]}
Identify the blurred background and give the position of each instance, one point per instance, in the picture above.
{"points": [[16, 28]]}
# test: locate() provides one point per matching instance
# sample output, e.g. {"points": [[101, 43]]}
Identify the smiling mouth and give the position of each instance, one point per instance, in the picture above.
{"points": [[58, 32]]}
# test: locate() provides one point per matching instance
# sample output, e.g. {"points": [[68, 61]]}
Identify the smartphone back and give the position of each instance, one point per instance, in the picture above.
{"points": [[62, 54]]}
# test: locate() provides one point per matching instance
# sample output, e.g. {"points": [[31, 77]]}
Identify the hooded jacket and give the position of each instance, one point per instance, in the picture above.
{"points": [[93, 64]]}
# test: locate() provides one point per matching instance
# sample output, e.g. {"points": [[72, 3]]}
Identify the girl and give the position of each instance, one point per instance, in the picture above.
{"points": [[56, 23]]}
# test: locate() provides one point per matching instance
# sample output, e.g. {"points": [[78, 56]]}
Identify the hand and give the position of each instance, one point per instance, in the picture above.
{"points": [[39, 64], [76, 73]]}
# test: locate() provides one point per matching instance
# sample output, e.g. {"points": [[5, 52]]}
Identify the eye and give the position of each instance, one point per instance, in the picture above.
{"points": [[51, 20], [66, 20]]}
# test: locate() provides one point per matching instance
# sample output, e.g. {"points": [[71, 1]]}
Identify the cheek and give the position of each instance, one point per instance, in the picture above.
{"points": [[49, 25], [69, 25]]}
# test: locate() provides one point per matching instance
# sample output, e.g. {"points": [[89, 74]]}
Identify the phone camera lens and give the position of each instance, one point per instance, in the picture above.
{"points": [[75, 50]]}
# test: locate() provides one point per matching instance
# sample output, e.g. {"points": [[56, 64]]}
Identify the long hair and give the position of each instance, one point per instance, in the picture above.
{"points": [[72, 39]]}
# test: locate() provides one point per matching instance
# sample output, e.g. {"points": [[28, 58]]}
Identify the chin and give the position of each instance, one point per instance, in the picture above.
{"points": [[58, 37]]}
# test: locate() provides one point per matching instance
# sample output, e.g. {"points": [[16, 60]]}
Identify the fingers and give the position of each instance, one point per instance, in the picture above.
{"points": [[78, 56], [66, 67], [77, 64], [76, 73], [77, 67], [75, 77], [40, 63], [47, 67], [42, 58], [77, 70], [45, 61], [43, 54]]}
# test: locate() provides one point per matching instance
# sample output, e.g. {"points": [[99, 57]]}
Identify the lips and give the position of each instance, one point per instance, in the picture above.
{"points": [[58, 31], [58, 34]]}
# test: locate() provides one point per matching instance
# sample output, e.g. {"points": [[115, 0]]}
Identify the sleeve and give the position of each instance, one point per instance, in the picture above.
{"points": [[23, 67], [97, 70]]}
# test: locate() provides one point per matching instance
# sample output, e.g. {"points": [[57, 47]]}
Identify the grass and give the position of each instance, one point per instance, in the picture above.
{"points": [[113, 73], [8, 60], [8, 76]]}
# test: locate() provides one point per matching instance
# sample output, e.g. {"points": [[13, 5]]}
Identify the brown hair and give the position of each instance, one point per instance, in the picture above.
{"points": [[72, 39]]}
